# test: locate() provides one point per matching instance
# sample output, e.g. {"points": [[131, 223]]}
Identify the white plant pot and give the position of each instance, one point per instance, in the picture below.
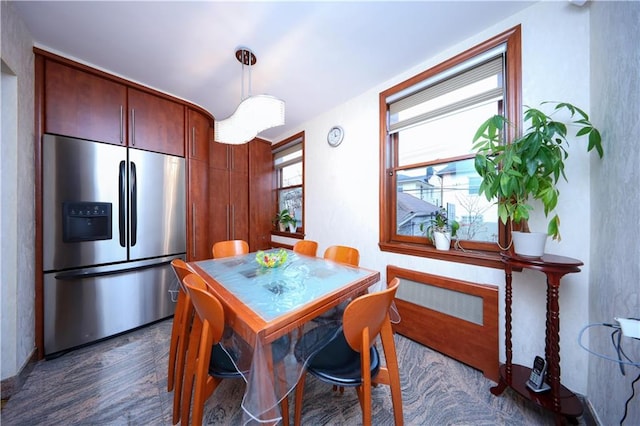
{"points": [[282, 227], [442, 240], [530, 244], [292, 227]]}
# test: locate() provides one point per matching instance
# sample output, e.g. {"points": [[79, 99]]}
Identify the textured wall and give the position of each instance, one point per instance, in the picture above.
{"points": [[615, 250], [555, 53], [18, 277]]}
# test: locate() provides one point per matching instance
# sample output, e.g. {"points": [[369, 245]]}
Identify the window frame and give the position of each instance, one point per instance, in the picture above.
{"points": [[477, 253], [297, 139]]}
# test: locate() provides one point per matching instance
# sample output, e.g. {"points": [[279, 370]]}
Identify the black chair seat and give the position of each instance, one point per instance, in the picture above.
{"points": [[336, 363], [222, 364]]}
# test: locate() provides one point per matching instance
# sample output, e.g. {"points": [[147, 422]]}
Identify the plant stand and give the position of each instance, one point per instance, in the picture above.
{"points": [[559, 399]]}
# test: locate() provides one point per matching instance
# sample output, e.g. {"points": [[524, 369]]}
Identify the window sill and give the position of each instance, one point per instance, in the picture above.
{"points": [[297, 235], [472, 257]]}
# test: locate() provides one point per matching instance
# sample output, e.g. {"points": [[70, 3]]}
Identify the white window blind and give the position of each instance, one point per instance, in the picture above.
{"points": [[402, 117]]}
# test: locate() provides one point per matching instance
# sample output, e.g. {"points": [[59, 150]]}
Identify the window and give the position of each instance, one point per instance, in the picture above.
{"points": [[288, 163], [427, 127]]}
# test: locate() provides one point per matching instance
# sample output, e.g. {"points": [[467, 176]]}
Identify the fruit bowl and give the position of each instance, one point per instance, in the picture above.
{"points": [[271, 259]]}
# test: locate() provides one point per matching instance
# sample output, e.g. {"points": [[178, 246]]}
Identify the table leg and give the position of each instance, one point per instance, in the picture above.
{"points": [[552, 339], [506, 380]]}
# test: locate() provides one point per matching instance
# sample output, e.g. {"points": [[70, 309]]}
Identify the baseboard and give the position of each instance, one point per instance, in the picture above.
{"points": [[589, 415], [12, 385]]}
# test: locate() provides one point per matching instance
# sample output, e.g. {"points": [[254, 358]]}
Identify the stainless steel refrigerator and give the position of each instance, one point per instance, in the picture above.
{"points": [[113, 219]]}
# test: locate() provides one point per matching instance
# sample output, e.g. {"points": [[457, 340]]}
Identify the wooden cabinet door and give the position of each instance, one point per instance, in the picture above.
{"points": [[199, 136], [219, 210], [261, 195], [219, 156], [198, 243], [229, 157], [82, 105], [155, 123], [239, 158], [239, 206]]}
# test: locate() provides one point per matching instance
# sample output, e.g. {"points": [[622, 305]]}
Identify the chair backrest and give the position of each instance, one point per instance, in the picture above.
{"points": [[207, 306], [370, 311], [229, 248], [306, 247], [181, 270], [343, 254]]}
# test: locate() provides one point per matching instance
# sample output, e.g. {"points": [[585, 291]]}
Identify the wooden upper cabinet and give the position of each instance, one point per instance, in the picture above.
{"points": [[219, 156], [155, 123], [234, 158], [199, 136], [82, 105], [239, 160], [261, 194], [85, 105]]}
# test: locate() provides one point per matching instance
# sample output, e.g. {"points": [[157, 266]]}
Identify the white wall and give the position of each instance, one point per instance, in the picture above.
{"points": [[342, 184], [615, 280], [17, 175]]}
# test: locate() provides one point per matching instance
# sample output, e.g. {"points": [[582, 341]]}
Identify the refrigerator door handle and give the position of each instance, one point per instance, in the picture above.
{"points": [[98, 272], [134, 204], [122, 210]]}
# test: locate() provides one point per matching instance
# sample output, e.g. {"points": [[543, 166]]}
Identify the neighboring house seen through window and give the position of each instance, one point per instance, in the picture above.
{"points": [[429, 122]]}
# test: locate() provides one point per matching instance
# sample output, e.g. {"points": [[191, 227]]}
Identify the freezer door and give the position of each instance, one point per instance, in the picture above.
{"points": [[81, 203], [157, 198], [85, 305]]}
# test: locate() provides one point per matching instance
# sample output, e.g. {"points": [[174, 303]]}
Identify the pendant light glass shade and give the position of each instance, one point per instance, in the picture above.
{"points": [[253, 115]]}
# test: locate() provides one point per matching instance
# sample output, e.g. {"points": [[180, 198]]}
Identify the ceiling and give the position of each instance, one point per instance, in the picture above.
{"points": [[313, 55]]}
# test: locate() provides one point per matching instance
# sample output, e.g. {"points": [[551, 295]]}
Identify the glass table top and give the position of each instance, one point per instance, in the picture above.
{"points": [[271, 292]]}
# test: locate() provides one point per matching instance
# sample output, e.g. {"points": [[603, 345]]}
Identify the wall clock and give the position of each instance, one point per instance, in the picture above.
{"points": [[335, 136]]}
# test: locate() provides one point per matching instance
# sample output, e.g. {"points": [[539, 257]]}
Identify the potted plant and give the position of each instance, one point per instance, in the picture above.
{"points": [[527, 169], [440, 230], [293, 224], [283, 219]]}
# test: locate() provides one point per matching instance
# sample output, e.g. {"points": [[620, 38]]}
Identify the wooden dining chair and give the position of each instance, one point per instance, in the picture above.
{"points": [[351, 358], [306, 247], [343, 254], [349, 256], [229, 248], [207, 362], [179, 337]]}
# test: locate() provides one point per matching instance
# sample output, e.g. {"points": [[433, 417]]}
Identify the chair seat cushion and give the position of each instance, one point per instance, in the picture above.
{"points": [[340, 365], [223, 364]]}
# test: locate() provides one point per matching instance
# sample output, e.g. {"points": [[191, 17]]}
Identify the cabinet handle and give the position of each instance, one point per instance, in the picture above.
{"points": [[228, 235], [121, 124], [133, 126], [193, 229], [233, 221], [193, 141]]}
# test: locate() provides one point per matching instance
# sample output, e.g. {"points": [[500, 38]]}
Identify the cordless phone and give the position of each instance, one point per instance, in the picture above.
{"points": [[536, 380]]}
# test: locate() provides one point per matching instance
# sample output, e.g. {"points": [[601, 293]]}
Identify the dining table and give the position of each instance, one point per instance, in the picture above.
{"points": [[267, 311]]}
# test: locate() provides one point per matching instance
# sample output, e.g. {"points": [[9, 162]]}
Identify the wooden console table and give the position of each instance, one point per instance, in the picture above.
{"points": [[558, 399]]}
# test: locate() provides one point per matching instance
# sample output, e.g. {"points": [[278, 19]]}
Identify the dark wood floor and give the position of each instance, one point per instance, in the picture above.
{"points": [[123, 381]]}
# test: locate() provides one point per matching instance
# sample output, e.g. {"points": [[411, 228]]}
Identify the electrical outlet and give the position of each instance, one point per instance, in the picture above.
{"points": [[630, 327]]}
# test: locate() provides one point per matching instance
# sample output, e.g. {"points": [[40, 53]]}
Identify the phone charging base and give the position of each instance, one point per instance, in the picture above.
{"points": [[543, 388]]}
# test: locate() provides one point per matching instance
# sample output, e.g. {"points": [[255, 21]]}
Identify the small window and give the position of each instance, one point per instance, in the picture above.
{"points": [[288, 162], [427, 143]]}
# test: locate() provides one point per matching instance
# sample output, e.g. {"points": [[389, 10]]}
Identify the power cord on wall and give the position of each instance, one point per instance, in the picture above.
{"points": [[616, 341]]}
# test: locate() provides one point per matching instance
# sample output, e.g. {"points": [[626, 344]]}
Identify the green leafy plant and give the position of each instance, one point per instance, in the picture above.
{"points": [[440, 223], [530, 166], [284, 217]]}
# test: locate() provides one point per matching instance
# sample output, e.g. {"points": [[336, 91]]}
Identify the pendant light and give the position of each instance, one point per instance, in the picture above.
{"points": [[254, 113]]}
